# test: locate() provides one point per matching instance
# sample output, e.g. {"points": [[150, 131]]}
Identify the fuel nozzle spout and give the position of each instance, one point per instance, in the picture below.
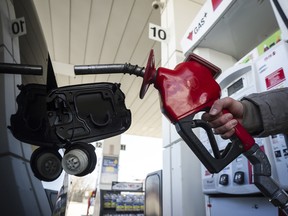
{"points": [[148, 74], [109, 69]]}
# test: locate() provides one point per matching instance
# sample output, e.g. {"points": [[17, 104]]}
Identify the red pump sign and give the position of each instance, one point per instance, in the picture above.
{"points": [[209, 14]]}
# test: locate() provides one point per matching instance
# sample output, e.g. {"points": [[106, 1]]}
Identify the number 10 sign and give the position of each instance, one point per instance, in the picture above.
{"points": [[157, 33]]}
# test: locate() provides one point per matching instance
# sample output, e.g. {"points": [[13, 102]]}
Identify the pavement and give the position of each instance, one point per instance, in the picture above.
{"points": [[79, 209]]}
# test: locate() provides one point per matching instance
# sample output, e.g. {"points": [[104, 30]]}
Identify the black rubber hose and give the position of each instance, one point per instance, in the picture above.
{"points": [[7, 68], [109, 69]]}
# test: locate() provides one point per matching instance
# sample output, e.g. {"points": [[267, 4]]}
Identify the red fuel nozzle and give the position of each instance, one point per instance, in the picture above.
{"points": [[186, 90]]}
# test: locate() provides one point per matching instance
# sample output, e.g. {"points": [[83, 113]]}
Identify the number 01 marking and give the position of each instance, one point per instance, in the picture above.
{"points": [[18, 27]]}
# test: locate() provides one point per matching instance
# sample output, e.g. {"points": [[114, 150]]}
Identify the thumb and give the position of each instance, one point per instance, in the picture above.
{"points": [[216, 107]]}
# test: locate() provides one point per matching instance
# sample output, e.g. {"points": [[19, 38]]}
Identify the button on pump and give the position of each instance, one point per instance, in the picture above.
{"points": [[239, 177], [224, 179]]}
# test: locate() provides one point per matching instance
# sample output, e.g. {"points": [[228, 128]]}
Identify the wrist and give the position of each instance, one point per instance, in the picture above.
{"points": [[251, 120]]}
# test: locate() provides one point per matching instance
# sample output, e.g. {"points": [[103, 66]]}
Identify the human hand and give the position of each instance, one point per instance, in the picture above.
{"points": [[224, 123]]}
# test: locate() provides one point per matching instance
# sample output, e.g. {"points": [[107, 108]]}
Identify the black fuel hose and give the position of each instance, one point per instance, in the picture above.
{"points": [[10, 68], [109, 69]]}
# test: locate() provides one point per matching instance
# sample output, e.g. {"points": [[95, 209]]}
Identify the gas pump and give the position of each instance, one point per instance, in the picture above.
{"points": [[267, 72], [226, 23], [237, 177], [272, 72], [237, 85]]}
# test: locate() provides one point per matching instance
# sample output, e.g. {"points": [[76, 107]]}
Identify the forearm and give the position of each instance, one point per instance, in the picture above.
{"points": [[266, 113]]}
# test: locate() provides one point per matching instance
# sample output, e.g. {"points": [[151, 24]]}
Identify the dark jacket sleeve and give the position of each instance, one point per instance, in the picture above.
{"points": [[266, 113]]}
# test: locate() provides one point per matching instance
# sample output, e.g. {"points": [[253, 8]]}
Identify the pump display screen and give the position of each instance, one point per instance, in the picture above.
{"points": [[235, 87]]}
